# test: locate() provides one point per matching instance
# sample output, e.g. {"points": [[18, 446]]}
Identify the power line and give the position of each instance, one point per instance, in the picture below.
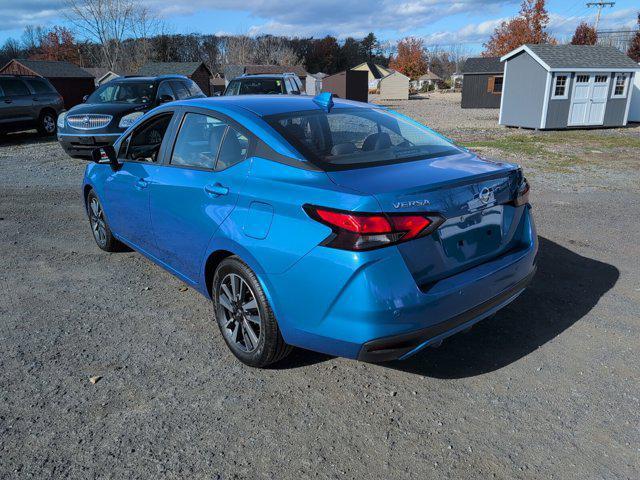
{"points": [[600, 4]]}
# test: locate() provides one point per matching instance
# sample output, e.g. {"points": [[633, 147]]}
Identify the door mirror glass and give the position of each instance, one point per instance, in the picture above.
{"points": [[106, 154]]}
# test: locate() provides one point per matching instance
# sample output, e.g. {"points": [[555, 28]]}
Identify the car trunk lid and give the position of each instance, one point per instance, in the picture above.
{"points": [[473, 194]]}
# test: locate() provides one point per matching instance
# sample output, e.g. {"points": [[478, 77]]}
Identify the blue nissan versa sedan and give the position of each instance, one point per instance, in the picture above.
{"points": [[331, 225]]}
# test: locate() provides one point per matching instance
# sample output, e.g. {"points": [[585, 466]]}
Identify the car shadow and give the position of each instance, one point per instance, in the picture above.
{"points": [[565, 289], [24, 138]]}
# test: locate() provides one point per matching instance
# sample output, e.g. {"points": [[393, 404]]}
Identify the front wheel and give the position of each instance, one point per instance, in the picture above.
{"points": [[100, 227], [244, 315]]}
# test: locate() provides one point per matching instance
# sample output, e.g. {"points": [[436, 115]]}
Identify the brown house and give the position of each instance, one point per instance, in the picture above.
{"points": [[196, 71], [351, 85], [71, 81]]}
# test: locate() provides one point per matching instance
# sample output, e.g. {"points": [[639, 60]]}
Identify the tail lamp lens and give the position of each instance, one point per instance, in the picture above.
{"points": [[522, 197], [366, 231]]}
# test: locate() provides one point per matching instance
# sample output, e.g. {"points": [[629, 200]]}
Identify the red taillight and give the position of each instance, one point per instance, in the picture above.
{"points": [[522, 196], [366, 231]]}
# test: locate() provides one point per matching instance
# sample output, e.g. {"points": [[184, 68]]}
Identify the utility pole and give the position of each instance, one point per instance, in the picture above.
{"points": [[600, 4]]}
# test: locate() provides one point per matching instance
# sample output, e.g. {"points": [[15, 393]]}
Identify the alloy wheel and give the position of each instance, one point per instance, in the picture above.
{"points": [[238, 310], [98, 225], [49, 123]]}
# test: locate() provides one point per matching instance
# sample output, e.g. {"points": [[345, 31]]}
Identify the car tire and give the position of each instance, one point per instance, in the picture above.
{"points": [[100, 227], [244, 316], [47, 123]]}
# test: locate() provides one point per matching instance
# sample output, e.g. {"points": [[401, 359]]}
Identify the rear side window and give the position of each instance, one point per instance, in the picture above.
{"points": [[198, 141], [234, 149], [354, 137], [13, 87], [39, 86]]}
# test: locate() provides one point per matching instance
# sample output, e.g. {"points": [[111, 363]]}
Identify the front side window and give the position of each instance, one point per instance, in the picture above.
{"points": [[180, 89], [355, 137], [620, 87], [193, 88], [13, 87], [123, 92], [143, 145], [164, 90], [560, 86], [198, 141]]}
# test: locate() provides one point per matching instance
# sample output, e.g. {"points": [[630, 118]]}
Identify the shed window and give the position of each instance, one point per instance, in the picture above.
{"points": [[620, 87], [494, 85], [561, 86]]}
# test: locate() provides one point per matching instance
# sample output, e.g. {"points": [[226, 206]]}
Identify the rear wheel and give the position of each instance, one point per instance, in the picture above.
{"points": [[244, 315], [47, 123], [100, 227]]}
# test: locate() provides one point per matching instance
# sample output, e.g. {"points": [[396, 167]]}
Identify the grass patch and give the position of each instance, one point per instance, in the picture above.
{"points": [[571, 146]]}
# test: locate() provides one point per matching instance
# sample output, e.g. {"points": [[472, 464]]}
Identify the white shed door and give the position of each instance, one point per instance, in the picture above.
{"points": [[589, 99]]}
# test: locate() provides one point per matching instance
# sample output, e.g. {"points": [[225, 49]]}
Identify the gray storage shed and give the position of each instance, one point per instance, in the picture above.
{"points": [[561, 86], [482, 82]]}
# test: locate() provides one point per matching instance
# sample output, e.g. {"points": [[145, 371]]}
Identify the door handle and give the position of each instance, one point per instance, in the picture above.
{"points": [[8, 100], [216, 190], [141, 184]]}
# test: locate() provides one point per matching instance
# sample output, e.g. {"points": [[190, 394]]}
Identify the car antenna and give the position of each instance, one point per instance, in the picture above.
{"points": [[324, 100]]}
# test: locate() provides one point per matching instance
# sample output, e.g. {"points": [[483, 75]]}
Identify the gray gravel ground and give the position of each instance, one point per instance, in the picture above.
{"points": [[548, 389]]}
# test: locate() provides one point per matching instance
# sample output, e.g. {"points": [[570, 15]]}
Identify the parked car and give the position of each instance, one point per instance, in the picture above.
{"points": [[278, 84], [115, 106], [28, 102], [331, 225]]}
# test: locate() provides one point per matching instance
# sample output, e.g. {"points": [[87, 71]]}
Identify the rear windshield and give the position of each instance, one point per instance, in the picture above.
{"points": [[123, 92], [358, 137], [258, 86]]}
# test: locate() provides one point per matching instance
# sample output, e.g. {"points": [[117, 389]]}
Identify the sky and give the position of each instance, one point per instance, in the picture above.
{"points": [[442, 23]]}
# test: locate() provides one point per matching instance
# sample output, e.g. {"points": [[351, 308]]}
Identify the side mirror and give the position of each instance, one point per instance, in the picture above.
{"points": [[84, 99], [100, 154], [166, 98]]}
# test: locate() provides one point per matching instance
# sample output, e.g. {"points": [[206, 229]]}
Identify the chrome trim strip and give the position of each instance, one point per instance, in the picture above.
{"points": [[89, 134]]}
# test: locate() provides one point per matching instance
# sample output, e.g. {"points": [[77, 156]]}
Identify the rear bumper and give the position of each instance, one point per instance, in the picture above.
{"points": [[368, 306], [401, 346], [81, 145]]}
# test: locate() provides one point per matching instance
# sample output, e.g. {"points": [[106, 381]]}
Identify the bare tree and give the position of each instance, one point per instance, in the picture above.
{"points": [[106, 22], [270, 50], [237, 49]]}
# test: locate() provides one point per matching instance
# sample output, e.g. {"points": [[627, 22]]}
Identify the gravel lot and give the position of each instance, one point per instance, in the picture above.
{"points": [[548, 389]]}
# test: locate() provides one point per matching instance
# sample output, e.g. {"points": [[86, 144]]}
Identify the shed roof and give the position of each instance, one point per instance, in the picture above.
{"points": [[429, 76], [561, 57], [378, 71], [482, 65], [52, 69], [155, 69]]}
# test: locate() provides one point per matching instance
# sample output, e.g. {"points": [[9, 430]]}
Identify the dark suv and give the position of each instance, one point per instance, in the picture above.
{"points": [[115, 106], [28, 102], [279, 84]]}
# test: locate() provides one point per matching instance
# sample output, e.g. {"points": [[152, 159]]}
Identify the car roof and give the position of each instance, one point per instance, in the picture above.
{"points": [[134, 78], [264, 105], [264, 75]]}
